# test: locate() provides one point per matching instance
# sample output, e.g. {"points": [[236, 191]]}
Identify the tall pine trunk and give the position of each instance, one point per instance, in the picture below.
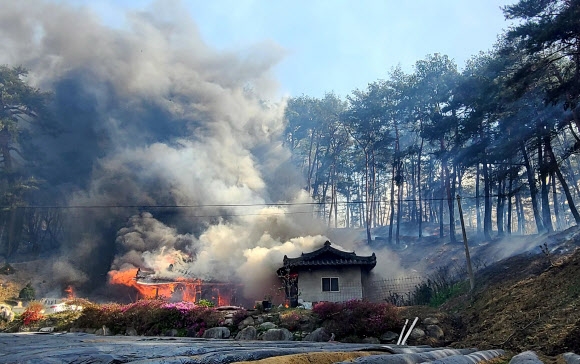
{"points": [[544, 191], [533, 189]]}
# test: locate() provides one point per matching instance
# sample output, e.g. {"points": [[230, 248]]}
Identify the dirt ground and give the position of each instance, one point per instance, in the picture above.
{"points": [[529, 301]]}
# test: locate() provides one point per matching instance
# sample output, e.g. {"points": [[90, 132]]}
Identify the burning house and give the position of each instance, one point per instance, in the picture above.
{"points": [[152, 285], [326, 274]]}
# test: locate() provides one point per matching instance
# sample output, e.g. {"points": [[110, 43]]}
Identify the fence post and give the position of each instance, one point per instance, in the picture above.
{"points": [[469, 269]]}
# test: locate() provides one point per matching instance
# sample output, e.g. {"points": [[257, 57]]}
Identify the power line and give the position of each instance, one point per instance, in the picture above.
{"points": [[282, 204]]}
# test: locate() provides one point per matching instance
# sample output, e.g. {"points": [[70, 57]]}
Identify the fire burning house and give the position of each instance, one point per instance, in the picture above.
{"points": [[326, 274], [150, 285]]}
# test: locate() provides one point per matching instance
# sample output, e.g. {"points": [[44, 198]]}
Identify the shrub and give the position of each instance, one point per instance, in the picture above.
{"points": [[27, 293], [290, 320], [205, 303], [95, 316], [357, 317], [33, 313], [441, 296], [326, 310], [151, 317]]}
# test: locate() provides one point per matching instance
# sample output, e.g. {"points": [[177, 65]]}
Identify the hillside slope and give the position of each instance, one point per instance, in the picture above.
{"points": [[526, 302]]}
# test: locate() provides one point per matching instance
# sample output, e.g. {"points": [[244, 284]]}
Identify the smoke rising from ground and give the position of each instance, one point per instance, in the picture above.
{"points": [[151, 115]]}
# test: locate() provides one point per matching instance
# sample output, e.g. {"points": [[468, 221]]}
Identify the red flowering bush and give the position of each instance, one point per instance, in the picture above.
{"points": [[327, 310], [33, 313], [357, 318]]}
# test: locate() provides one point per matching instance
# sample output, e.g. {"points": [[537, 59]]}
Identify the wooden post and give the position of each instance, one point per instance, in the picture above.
{"points": [[469, 268]]}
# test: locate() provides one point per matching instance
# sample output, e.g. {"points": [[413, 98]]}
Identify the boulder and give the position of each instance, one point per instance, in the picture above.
{"points": [[248, 321], [217, 333], [277, 335], [248, 333], [130, 331], [103, 331], [318, 335], [46, 329], [417, 334], [430, 321], [389, 337], [172, 332], [435, 332], [267, 326], [371, 340], [6, 313]]}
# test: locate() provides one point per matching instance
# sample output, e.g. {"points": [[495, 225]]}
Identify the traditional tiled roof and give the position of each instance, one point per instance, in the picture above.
{"points": [[329, 256]]}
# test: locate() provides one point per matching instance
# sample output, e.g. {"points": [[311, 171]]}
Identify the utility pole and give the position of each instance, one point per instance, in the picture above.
{"points": [[469, 268]]}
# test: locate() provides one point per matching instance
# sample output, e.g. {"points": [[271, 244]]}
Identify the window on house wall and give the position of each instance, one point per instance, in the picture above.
{"points": [[330, 284]]}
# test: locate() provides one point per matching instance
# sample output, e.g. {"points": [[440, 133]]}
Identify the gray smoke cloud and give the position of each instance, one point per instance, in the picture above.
{"points": [[154, 116]]}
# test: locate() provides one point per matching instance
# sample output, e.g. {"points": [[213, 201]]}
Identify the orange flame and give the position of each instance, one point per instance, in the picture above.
{"points": [[70, 294], [181, 289]]}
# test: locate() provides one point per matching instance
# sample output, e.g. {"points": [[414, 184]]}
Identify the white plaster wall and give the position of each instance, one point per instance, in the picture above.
{"points": [[349, 284]]}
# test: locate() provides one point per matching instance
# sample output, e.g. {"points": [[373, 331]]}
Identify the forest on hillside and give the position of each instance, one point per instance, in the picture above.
{"points": [[503, 134], [102, 153]]}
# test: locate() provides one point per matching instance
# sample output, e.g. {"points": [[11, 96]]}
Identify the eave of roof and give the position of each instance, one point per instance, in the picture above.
{"points": [[342, 258]]}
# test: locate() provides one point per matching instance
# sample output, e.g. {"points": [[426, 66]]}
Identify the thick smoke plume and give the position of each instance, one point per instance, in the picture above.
{"points": [[152, 116]]}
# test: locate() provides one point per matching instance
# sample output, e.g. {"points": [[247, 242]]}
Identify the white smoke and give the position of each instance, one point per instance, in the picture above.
{"points": [[213, 143]]}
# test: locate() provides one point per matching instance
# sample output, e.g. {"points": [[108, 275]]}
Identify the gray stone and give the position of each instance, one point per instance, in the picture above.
{"points": [[248, 321], [571, 358], [217, 333], [267, 326], [89, 330], [103, 331], [435, 332], [371, 340], [277, 335], [172, 332], [417, 334], [6, 313], [527, 357], [248, 333], [131, 331], [318, 335], [389, 337], [430, 321], [46, 329]]}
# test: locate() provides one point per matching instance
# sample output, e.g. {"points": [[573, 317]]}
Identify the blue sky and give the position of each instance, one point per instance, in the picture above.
{"points": [[338, 45]]}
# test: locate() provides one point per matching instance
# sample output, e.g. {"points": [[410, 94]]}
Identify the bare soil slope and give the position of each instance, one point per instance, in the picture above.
{"points": [[529, 301]]}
